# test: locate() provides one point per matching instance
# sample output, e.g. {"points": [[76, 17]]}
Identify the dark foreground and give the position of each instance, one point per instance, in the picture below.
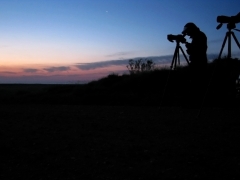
{"points": [[117, 142]]}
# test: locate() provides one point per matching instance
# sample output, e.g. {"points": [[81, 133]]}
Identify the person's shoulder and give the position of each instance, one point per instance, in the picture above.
{"points": [[202, 34]]}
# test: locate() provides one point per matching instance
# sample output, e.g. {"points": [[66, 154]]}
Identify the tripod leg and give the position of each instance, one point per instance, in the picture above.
{"points": [[174, 59], [236, 40], [184, 55], [178, 57], [223, 44], [229, 45]]}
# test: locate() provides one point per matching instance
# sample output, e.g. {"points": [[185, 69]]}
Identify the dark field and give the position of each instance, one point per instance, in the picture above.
{"points": [[154, 125], [118, 142]]}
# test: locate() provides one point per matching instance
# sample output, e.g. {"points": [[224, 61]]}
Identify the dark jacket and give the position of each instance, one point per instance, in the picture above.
{"points": [[197, 49]]}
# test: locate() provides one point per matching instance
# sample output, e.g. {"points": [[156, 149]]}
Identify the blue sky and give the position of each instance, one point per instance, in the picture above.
{"points": [[62, 35]]}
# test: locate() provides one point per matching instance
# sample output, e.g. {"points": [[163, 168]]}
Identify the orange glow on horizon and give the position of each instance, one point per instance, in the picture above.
{"points": [[59, 72]]}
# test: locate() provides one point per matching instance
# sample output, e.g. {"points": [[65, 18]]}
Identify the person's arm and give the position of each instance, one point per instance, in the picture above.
{"points": [[189, 48]]}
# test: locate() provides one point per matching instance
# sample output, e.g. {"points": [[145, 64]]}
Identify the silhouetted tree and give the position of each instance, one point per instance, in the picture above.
{"points": [[140, 65]]}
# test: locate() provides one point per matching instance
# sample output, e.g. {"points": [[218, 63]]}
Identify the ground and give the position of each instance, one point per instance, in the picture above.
{"points": [[118, 142]]}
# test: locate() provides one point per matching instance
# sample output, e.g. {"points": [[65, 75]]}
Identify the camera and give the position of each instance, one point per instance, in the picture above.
{"points": [[230, 20], [178, 38], [227, 19]]}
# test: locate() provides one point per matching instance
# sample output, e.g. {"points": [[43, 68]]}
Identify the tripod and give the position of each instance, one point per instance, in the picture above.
{"points": [[175, 60], [176, 56], [228, 36]]}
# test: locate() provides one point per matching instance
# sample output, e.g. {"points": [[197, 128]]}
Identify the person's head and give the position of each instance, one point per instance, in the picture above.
{"points": [[189, 29]]}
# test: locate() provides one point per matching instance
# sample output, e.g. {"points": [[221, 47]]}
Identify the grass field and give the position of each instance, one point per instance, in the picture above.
{"points": [[118, 142], [144, 126]]}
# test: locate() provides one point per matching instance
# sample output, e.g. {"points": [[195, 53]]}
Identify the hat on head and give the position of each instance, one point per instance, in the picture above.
{"points": [[189, 27]]}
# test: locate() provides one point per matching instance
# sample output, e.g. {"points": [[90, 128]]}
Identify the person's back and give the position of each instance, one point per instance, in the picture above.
{"points": [[197, 49]]}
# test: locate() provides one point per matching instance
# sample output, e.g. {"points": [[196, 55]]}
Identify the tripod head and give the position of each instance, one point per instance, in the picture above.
{"points": [[230, 26], [176, 57]]}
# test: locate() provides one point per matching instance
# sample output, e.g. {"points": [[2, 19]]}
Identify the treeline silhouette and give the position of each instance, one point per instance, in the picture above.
{"points": [[216, 85]]}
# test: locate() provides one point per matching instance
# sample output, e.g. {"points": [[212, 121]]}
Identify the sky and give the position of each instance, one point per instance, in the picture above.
{"points": [[77, 41]]}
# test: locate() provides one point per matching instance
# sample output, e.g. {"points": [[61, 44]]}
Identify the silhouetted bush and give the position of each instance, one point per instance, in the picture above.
{"points": [[222, 79], [140, 65]]}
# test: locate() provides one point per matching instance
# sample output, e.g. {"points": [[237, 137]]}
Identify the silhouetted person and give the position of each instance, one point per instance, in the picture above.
{"points": [[197, 49]]}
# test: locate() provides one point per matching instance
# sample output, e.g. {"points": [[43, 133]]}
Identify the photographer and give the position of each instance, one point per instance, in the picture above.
{"points": [[197, 49]]}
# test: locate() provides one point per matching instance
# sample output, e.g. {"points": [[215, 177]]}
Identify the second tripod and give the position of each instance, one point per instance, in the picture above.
{"points": [[228, 36]]}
